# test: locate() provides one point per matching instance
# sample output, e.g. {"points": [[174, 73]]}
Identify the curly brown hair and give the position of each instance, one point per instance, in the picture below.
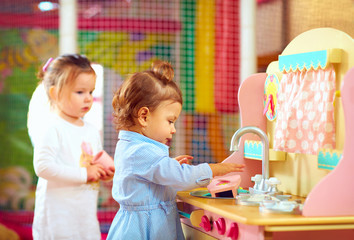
{"points": [[144, 89]]}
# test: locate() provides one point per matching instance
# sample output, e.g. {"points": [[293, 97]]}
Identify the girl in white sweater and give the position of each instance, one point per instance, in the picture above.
{"points": [[67, 189]]}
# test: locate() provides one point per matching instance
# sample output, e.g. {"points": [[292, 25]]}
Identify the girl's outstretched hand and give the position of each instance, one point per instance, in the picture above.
{"points": [[184, 159], [95, 172], [220, 169]]}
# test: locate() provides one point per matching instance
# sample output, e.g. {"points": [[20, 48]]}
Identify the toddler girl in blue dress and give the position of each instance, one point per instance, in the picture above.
{"points": [[147, 179]]}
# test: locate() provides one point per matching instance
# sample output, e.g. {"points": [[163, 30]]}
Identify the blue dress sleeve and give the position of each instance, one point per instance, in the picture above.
{"points": [[168, 172]]}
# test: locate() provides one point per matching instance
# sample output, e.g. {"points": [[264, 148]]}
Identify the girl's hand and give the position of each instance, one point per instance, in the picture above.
{"points": [[95, 172], [220, 169], [184, 159], [109, 174]]}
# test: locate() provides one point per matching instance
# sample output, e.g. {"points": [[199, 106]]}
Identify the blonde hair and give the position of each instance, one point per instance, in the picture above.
{"points": [[63, 70], [144, 89]]}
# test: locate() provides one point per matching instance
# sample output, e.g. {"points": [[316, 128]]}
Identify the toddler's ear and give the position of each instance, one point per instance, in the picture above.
{"points": [[53, 93], [143, 114]]}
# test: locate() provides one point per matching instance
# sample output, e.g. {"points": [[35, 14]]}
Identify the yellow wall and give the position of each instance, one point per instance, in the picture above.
{"points": [[304, 15]]}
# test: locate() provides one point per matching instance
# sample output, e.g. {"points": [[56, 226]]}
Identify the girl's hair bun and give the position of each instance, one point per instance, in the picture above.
{"points": [[163, 70]]}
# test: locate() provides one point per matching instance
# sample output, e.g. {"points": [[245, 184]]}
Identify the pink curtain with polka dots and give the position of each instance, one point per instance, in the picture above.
{"points": [[305, 121]]}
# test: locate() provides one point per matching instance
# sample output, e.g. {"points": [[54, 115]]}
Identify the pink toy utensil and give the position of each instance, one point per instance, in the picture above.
{"points": [[222, 184]]}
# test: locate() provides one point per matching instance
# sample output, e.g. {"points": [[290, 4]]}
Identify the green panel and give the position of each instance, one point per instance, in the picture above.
{"points": [[187, 54]]}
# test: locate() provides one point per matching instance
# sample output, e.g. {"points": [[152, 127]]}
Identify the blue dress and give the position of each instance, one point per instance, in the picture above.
{"points": [[145, 185]]}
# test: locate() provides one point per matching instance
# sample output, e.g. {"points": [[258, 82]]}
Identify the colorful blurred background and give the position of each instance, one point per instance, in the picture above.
{"points": [[201, 38]]}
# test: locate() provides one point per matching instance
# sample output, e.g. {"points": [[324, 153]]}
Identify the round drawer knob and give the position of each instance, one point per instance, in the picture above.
{"points": [[205, 224], [233, 231], [220, 225]]}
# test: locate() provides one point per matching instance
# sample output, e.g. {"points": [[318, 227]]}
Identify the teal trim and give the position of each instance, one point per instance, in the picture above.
{"points": [[184, 214], [327, 160], [303, 60], [253, 150]]}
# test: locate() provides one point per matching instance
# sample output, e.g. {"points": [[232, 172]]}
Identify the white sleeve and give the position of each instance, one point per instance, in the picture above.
{"points": [[39, 115], [47, 165]]}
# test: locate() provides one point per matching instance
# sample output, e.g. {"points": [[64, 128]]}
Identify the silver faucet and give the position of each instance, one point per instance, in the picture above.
{"points": [[265, 158]]}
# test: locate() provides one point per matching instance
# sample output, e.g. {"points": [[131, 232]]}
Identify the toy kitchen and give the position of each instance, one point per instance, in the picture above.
{"points": [[296, 140]]}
